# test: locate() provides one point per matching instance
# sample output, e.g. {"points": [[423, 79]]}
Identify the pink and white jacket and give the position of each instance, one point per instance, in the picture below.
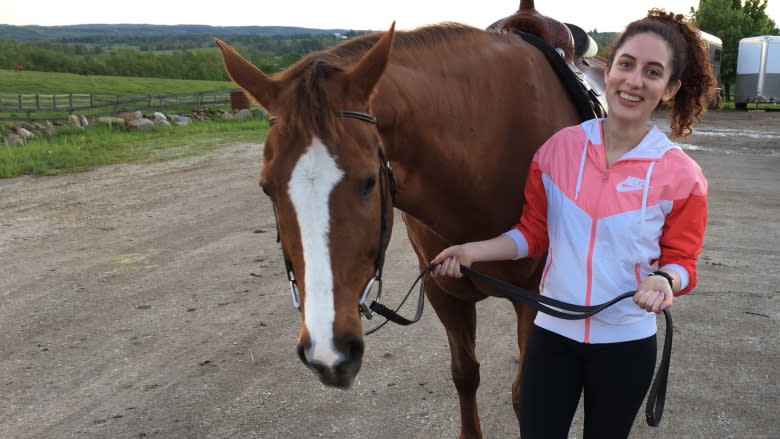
{"points": [[605, 229]]}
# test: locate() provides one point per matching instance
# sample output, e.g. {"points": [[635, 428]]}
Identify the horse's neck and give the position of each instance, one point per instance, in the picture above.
{"points": [[442, 179], [461, 146]]}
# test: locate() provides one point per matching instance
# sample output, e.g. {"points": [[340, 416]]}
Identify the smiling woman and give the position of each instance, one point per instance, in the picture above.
{"points": [[615, 206]]}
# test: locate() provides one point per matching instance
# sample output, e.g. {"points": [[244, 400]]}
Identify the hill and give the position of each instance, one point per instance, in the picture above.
{"points": [[89, 33]]}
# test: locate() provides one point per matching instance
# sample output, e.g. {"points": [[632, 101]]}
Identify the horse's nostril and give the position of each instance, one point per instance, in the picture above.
{"points": [[354, 348]]}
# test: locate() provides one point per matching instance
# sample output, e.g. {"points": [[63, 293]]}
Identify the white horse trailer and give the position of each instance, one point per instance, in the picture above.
{"points": [[758, 70], [715, 51]]}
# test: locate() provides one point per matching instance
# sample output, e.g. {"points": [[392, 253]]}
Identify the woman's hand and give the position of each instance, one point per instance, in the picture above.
{"points": [[654, 294], [448, 262]]}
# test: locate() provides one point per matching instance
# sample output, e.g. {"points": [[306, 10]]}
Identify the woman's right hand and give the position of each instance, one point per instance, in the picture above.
{"points": [[448, 262]]}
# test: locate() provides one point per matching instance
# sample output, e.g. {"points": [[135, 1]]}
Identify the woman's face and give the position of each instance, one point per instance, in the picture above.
{"points": [[638, 78]]}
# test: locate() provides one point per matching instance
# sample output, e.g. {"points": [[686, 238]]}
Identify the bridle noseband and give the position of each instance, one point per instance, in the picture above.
{"points": [[387, 187]]}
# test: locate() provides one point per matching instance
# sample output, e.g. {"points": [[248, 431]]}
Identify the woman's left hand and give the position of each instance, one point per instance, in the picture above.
{"points": [[654, 294]]}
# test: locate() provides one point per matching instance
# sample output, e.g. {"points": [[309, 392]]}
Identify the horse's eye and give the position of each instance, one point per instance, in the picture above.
{"points": [[368, 186], [265, 190]]}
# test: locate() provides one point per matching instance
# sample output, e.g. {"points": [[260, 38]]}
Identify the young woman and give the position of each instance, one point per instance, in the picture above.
{"points": [[616, 206]]}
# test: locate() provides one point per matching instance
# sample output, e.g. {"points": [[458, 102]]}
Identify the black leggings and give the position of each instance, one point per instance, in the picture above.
{"points": [[614, 376]]}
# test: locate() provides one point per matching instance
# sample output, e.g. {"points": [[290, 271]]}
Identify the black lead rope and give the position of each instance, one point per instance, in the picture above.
{"points": [[657, 394]]}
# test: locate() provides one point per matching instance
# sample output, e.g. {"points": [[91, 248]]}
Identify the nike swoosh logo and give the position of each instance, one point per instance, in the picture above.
{"points": [[627, 188], [630, 184]]}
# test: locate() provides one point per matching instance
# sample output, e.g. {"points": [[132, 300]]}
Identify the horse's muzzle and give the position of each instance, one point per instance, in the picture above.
{"points": [[342, 374]]}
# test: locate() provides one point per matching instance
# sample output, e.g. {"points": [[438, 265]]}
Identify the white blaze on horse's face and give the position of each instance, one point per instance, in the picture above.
{"points": [[312, 180]]}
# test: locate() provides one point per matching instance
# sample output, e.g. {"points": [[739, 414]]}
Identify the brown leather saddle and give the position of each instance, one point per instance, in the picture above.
{"points": [[573, 46]]}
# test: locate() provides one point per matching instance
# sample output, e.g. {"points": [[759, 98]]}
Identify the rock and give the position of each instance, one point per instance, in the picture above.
{"points": [[24, 133], [83, 120], [111, 121], [73, 120], [244, 114], [181, 120], [131, 116], [161, 120], [14, 140], [142, 124]]}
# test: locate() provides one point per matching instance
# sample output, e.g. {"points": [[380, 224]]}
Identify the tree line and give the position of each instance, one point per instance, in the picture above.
{"points": [[182, 57]]}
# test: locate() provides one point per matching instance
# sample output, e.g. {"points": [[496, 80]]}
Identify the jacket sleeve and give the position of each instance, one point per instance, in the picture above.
{"points": [[533, 220], [683, 232]]}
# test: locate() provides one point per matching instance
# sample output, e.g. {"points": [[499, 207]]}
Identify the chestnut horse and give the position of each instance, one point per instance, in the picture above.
{"points": [[458, 112]]}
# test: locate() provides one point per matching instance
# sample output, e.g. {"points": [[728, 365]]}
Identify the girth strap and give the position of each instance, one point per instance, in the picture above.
{"points": [[583, 99]]}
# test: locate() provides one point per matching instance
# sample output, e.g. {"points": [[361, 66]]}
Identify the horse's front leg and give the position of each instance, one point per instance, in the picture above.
{"points": [[460, 321]]}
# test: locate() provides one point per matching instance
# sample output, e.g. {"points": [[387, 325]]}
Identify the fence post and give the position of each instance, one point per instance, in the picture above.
{"points": [[37, 101]]}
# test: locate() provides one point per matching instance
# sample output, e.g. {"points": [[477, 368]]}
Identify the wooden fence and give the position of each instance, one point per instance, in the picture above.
{"points": [[53, 106]]}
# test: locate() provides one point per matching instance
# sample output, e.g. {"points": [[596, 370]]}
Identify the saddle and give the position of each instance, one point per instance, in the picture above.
{"points": [[575, 60]]}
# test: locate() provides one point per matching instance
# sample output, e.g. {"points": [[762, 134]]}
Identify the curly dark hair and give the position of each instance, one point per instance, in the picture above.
{"points": [[690, 64]]}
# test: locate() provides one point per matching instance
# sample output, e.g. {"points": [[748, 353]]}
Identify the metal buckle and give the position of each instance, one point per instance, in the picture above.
{"points": [[294, 291], [363, 307]]}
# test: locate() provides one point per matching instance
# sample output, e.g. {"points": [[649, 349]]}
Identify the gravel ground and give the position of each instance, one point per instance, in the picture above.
{"points": [[150, 301]]}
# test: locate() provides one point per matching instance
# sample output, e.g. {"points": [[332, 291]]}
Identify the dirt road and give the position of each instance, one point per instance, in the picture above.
{"points": [[149, 301]]}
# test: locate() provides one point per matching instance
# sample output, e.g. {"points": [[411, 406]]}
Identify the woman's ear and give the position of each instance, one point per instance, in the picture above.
{"points": [[671, 90]]}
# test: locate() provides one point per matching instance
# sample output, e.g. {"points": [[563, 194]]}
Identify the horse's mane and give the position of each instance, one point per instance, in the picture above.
{"points": [[311, 108]]}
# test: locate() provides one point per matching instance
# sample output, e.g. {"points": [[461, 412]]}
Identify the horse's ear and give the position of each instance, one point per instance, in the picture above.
{"points": [[365, 75], [262, 88]]}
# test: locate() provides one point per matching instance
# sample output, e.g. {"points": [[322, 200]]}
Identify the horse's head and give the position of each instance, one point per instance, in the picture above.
{"points": [[330, 186]]}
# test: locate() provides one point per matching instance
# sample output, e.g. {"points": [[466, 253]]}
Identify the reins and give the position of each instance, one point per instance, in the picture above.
{"points": [[656, 396]]}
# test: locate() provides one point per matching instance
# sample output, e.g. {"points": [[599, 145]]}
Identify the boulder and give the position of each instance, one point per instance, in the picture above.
{"points": [[181, 120], [131, 115], [24, 133], [161, 120], [142, 124], [14, 140], [244, 114], [111, 121]]}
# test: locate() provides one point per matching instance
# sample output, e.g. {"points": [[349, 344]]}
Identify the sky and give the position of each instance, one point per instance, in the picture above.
{"points": [[601, 15]]}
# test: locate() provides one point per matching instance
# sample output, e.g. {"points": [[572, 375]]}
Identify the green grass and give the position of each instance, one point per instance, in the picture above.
{"points": [[28, 82], [104, 88], [773, 106], [76, 149]]}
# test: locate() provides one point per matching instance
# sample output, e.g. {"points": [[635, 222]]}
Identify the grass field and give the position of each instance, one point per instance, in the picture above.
{"points": [[25, 82], [77, 149]]}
